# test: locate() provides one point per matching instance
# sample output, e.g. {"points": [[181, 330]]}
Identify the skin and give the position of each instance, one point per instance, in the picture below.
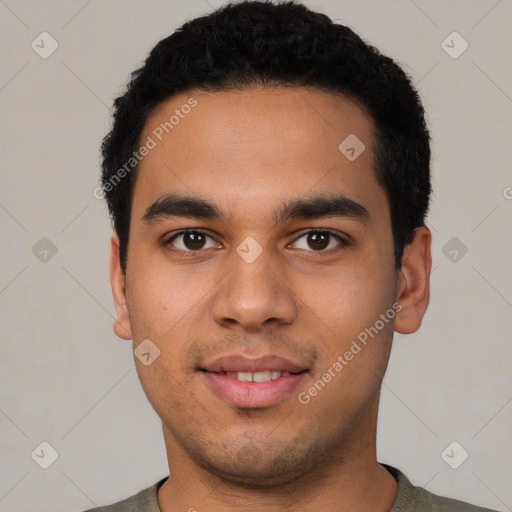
{"points": [[249, 151]]}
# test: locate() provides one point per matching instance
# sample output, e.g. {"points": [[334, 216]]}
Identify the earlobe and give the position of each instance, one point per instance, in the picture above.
{"points": [[413, 286], [122, 326]]}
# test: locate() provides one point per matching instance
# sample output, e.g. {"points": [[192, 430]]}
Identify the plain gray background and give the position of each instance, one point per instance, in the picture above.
{"points": [[67, 380]]}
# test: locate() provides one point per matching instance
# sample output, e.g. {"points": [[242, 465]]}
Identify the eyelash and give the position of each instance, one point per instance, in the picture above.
{"points": [[342, 242]]}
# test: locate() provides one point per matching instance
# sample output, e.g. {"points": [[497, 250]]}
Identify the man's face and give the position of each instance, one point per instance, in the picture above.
{"points": [[259, 280]]}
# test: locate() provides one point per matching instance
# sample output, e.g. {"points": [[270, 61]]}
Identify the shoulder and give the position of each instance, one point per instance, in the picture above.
{"points": [[414, 498], [143, 501]]}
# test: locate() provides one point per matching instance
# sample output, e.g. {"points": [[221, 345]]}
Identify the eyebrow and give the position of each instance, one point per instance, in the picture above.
{"points": [[316, 207], [175, 205], [307, 208]]}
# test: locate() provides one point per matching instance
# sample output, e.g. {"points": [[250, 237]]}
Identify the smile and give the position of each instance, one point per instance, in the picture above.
{"points": [[263, 376], [253, 389]]}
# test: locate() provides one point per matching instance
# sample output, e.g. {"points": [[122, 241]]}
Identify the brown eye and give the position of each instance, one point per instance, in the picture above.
{"points": [[190, 241], [319, 241], [194, 241]]}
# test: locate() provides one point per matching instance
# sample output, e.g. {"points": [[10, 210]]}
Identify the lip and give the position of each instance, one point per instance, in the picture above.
{"points": [[253, 394], [241, 363]]}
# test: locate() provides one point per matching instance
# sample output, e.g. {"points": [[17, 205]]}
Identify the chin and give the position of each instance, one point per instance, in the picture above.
{"points": [[260, 478], [263, 466]]}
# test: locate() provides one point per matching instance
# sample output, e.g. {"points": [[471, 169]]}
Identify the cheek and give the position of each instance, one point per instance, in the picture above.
{"points": [[163, 298], [344, 312], [349, 296]]}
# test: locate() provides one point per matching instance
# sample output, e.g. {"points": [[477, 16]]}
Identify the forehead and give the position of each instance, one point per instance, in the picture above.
{"points": [[248, 148]]}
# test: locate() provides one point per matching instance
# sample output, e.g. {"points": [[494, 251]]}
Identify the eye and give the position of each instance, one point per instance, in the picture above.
{"points": [[191, 240], [319, 240]]}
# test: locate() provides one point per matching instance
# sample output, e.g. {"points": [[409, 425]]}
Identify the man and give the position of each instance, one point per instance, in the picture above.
{"points": [[267, 175]]}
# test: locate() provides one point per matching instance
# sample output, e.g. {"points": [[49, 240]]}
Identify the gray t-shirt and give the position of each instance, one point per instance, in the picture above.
{"points": [[410, 499]]}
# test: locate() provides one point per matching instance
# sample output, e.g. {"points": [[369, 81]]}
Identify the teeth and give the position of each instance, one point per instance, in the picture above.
{"points": [[264, 376], [261, 376]]}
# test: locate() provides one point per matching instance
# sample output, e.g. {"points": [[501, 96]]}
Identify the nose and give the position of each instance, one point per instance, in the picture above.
{"points": [[254, 295]]}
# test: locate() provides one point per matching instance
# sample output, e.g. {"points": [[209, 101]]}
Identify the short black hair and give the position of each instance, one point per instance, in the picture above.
{"points": [[277, 44]]}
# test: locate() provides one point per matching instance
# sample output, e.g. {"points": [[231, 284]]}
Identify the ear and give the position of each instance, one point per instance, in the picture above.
{"points": [[413, 287], [122, 326]]}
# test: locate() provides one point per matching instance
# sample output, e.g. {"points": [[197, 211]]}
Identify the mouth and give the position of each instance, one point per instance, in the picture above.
{"points": [[259, 376], [253, 382]]}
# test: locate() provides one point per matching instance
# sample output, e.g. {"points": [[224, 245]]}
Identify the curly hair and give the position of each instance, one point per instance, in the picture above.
{"points": [[278, 44]]}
